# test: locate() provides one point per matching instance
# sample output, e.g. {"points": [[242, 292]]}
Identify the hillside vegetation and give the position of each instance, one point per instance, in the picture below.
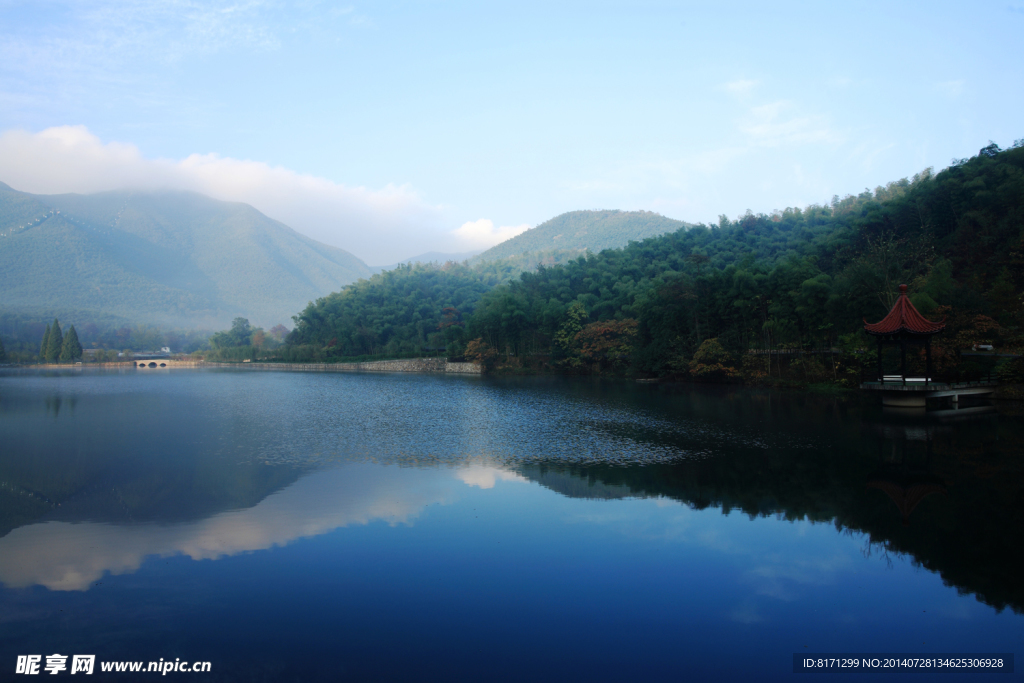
{"points": [[171, 258], [693, 301], [576, 232], [413, 309]]}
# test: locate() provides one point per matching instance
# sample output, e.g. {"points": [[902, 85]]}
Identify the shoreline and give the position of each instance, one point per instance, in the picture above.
{"points": [[429, 365], [421, 365]]}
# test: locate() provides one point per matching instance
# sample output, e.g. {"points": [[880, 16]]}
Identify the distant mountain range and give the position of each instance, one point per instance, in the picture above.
{"points": [[578, 231], [172, 258], [182, 259]]}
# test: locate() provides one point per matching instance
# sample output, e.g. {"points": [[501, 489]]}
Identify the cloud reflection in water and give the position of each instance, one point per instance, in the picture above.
{"points": [[72, 556]]}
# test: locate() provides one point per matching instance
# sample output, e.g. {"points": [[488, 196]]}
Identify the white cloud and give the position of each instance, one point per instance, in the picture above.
{"points": [[774, 125], [482, 233], [739, 87], [380, 225]]}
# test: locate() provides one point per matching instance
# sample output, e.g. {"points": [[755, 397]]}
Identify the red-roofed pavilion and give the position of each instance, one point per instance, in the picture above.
{"points": [[904, 323]]}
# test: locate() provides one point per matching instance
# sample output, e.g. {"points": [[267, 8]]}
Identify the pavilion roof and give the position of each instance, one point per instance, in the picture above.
{"points": [[904, 318]]}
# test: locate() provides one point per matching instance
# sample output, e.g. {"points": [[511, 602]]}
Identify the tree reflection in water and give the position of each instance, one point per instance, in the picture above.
{"points": [[946, 492]]}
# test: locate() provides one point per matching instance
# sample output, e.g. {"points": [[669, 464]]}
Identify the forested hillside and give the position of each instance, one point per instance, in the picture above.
{"points": [[172, 258], [570, 234], [799, 278], [411, 309]]}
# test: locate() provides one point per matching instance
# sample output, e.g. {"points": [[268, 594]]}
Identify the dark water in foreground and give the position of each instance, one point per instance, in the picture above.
{"points": [[402, 527]]}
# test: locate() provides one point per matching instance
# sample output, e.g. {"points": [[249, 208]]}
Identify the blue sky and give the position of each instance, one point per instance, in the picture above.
{"points": [[390, 129]]}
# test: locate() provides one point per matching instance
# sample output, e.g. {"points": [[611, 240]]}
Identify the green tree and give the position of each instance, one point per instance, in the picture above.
{"points": [[42, 346], [567, 343], [71, 349], [397, 312], [54, 342], [240, 334]]}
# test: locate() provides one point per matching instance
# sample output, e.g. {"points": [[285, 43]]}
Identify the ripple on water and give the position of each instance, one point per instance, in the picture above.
{"points": [[422, 420], [307, 419]]}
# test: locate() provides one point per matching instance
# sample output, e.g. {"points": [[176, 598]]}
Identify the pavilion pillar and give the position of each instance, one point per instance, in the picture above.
{"points": [[903, 357], [928, 359], [879, 359]]}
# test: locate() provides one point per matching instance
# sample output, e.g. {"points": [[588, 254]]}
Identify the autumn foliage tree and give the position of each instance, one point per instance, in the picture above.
{"points": [[609, 343], [712, 361], [479, 351]]}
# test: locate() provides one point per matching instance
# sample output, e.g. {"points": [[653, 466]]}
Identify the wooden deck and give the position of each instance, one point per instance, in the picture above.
{"points": [[913, 392]]}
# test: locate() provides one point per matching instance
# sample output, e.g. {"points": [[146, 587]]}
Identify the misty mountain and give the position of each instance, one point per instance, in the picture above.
{"points": [[572, 233], [176, 258], [430, 257]]}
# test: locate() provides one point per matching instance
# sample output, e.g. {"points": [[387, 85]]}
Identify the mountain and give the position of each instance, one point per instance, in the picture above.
{"points": [[175, 258], [576, 231], [797, 279]]}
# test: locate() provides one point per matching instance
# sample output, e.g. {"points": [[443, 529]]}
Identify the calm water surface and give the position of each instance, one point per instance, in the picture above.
{"points": [[306, 527]]}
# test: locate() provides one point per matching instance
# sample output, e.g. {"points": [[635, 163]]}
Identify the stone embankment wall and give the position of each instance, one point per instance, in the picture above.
{"points": [[464, 368], [404, 365], [160, 363]]}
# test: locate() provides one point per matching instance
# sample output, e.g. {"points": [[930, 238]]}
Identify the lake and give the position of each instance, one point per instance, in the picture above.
{"points": [[307, 527]]}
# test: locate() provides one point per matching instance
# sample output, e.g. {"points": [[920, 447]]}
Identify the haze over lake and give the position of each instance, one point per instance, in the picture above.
{"points": [[294, 526]]}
